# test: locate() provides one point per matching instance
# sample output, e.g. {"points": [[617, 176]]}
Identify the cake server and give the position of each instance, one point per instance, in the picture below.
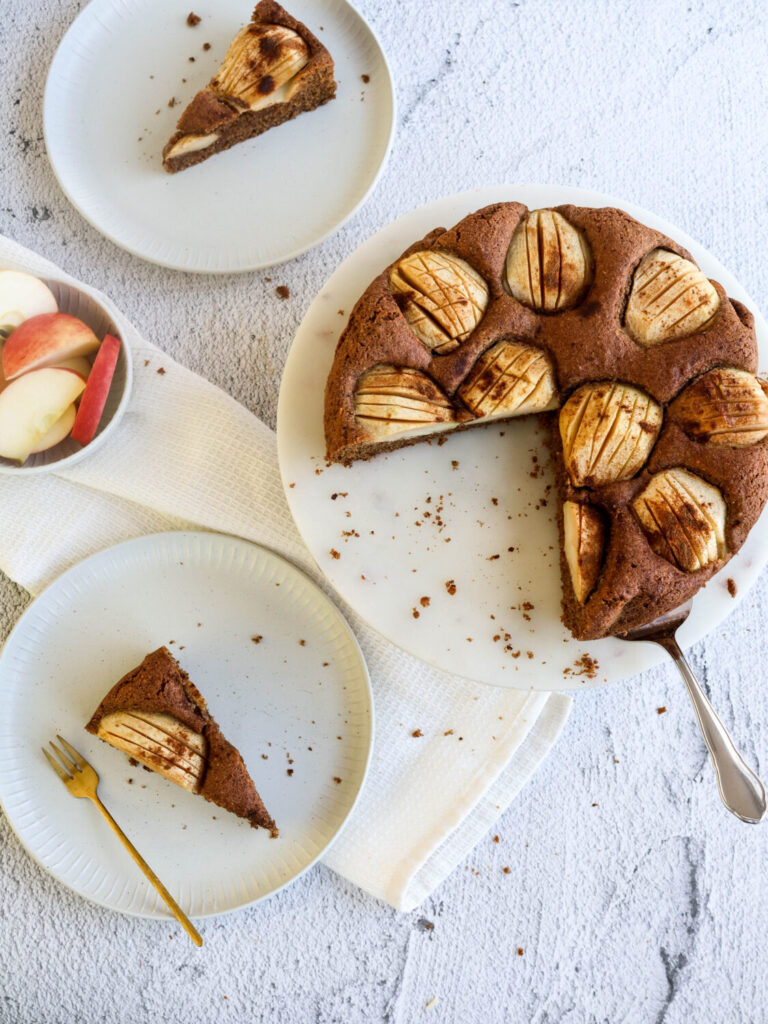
{"points": [[740, 789], [82, 780]]}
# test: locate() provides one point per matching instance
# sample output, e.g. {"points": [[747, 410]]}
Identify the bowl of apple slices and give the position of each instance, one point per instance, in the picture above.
{"points": [[65, 374]]}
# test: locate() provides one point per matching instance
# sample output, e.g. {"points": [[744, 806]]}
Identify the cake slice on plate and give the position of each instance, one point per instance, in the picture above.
{"points": [[156, 715], [274, 69]]}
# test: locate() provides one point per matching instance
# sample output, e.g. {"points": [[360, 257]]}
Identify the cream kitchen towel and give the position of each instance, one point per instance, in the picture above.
{"points": [[186, 455]]}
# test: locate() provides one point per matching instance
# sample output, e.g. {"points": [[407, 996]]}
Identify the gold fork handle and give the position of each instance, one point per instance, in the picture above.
{"points": [[174, 907]]}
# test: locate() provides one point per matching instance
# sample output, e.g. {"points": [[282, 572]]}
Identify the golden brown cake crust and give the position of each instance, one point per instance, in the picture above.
{"points": [[211, 111], [586, 343], [159, 684]]}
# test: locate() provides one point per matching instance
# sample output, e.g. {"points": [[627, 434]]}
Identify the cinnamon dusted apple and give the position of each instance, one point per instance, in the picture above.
{"points": [[274, 69], [156, 715], [660, 446], [670, 298]]}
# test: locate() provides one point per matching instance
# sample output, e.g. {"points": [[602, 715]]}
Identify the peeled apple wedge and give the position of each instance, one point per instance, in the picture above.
{"points": [[31, 406]]}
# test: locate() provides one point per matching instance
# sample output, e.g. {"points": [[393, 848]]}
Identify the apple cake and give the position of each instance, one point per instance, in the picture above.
{"points": [[644, 370], [274, 69], [157, 716]]}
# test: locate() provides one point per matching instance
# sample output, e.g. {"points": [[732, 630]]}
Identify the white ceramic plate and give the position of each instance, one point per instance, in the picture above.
{"points": [[209, 594], [406, 505], [107, 118]]}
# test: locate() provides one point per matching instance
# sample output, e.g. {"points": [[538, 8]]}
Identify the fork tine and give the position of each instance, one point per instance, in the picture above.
{"points": [[69, 765], [76, 757], [56, 766]]}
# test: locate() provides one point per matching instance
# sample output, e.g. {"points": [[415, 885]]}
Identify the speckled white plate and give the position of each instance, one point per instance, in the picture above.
{"points": [[469, 511], [107, 118], [298, 700]]}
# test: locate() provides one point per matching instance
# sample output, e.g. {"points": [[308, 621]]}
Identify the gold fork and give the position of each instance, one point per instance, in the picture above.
{"points": [[82, 780]]}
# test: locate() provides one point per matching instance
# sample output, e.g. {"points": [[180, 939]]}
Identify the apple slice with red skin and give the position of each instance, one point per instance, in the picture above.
{"points": [[45, 340], [96, 391], [58, 431], [31, 405], [78, 364], [22, 296]]}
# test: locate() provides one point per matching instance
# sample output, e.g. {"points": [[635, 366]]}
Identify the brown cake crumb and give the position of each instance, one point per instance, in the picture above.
{"points": [[417, 733], [450, 586], [130, 782], [496, 839], [283, 291], [302, 643], [289, 771], [337, 780], [424, 602], [415, 613], [520, 950], [193, 19], [133, 762], [335, 553], [662, 710], [161, 371], [257, 639], [171, 103], [586, 665], [206, 46], [732, 588], [191, 60], [366, 78], [506, 870]]}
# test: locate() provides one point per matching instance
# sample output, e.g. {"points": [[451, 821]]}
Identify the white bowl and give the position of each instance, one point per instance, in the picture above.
{"points": [[71, 300]]}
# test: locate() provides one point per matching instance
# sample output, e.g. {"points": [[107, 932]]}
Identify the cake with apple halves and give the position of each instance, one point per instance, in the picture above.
{"points": [[274, 69], [157, 716], [660, 444]]}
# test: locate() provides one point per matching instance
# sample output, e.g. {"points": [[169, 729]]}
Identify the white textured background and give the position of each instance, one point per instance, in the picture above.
{"points": [[632, 893]]}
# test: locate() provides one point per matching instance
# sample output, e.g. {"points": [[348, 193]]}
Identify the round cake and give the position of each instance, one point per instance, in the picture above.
{"points": [[643, 369]]}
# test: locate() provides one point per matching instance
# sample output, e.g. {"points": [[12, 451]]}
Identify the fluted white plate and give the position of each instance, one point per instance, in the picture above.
{"points": [[469, 510], [297, 701], [106, 120]]}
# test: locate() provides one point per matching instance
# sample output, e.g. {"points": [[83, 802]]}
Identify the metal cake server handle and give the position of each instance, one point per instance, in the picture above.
{"points": [[740, 789]]}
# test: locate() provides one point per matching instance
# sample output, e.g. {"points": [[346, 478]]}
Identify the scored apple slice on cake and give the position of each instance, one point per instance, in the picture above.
{"points": [[156, 715], [274, 69]]}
